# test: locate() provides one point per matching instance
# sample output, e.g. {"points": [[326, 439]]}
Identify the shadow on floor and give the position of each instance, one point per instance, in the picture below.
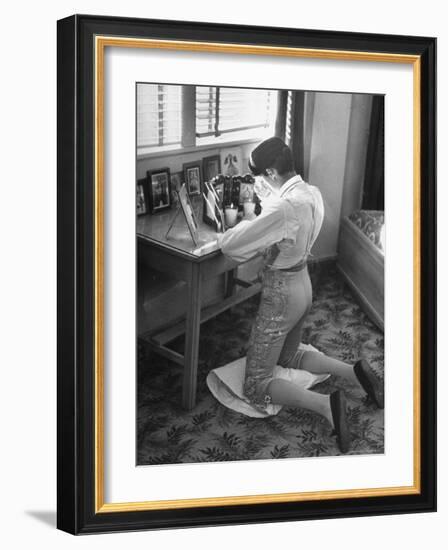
{"points": [[48, 517]]}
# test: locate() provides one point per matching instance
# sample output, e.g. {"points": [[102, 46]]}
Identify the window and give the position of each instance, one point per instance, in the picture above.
{"points": [[159, 115], [170, 117], [226, 110]]}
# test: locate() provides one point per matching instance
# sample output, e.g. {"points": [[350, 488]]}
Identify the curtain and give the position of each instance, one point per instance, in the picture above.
{"points": [[290, 124], [280, 121], [373, 191]]}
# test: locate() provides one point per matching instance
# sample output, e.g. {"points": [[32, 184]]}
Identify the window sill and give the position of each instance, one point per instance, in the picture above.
{"points": [[175, 150]]}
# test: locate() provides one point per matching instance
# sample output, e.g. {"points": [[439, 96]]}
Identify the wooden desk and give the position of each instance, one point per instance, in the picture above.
{"points": [[178, 257]]}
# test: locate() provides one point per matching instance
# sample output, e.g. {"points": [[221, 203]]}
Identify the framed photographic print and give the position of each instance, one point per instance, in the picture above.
{"points": [[142, 200], [188, 212], [176, 184], [218, 186], [159, 189], [211, 167], [193, 177], [246, 192], [190, 390], [176, 181]]}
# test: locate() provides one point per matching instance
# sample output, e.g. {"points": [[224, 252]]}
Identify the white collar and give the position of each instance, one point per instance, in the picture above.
{"points": [[289, 184]]}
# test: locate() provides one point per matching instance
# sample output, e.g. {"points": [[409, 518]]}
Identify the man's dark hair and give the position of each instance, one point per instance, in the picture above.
{"points": [[271, 153], [284, 162]]}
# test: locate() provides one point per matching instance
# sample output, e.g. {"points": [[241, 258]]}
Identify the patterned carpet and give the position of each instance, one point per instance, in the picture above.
{"points": [[336, 325]]}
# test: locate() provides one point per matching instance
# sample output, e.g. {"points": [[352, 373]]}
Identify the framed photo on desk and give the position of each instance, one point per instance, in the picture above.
{"points": [[142, 197], [211, 167], [159, 189], [212, 465], [188, 212], [193, 177]]}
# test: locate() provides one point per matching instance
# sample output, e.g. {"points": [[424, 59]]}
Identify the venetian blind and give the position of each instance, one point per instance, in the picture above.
{"points": [[223, 110], [159, 115]]}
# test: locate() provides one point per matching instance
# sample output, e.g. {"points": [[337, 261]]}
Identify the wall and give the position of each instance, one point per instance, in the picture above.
{"points": [[174, 161], [337, 145], [327, 162], [358, 138]]}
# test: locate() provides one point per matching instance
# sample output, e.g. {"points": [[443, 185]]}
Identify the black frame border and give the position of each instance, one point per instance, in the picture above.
{"points": [[76, 261]]}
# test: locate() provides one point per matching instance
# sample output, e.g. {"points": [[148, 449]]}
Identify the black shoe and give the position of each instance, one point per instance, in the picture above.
{"points": [[370, 383], [338, 405]]}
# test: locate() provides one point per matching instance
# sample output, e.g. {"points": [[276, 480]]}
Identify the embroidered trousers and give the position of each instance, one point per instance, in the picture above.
{"points": [[277, 331]]}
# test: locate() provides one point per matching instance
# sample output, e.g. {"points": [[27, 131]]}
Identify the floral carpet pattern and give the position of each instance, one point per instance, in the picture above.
{"points": [[336, 325]]}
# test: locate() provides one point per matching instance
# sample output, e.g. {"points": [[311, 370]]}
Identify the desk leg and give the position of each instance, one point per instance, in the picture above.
{"points": [[191, 353], [230, 277]]}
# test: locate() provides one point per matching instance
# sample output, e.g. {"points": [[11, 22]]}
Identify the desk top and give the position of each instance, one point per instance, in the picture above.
{"points": [[153, 228]]}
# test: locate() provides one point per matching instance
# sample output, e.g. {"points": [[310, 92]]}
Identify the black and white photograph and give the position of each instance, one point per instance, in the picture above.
{"points": [[142, 206], [192, 177], [188, 212], [211, 167], [274, 347], [176, 181], [159, 189], [246, 193]]}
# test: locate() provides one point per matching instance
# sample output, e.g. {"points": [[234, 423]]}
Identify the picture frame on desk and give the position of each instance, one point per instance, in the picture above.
{"points": [[211, 167], [193, 177], [188, 212], [100, 490], [177, 179], [142, 197], [159, 189]]}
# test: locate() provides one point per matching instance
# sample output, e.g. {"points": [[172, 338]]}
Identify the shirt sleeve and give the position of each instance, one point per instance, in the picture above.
{"points": [[248, 238]]}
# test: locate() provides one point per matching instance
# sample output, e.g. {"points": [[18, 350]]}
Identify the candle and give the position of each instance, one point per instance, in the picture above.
{"points": [[231, 214], [249, 209]]}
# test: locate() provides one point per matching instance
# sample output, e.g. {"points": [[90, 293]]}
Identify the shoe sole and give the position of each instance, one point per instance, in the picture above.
{"points": [[363, 377], [338, 404]]}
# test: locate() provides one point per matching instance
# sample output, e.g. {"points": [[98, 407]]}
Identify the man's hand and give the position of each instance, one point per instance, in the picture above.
{"points": [[261, 188]]}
